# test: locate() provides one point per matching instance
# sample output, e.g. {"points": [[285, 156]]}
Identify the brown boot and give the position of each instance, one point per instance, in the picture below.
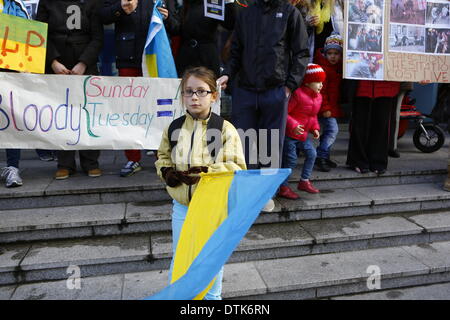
{"points": [[447, 180]]}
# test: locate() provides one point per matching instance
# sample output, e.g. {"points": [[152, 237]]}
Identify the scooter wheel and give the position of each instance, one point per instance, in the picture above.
{"points": [[433, 143]]}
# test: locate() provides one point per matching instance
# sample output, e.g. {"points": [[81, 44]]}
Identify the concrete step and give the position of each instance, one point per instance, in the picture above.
{"points": [[129, 218], [40, 190], [309, 277], [39, 261]]}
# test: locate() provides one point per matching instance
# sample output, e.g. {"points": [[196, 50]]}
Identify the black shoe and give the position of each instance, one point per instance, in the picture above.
{"points": [[331, 163], [393, 153], [322, 165], [379, 171]]}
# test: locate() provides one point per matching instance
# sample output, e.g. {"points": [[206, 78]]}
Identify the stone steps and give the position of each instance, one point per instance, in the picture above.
{"points": [[308, 277], [39, 261], [142, 217]]}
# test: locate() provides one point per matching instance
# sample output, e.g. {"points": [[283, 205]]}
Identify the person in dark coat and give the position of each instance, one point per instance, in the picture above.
{"points": [[75, 39], [269, 56], [199, 36], [131, 22]]}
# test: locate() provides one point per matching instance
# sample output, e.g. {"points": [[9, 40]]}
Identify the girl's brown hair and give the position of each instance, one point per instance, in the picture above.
{"points": [[203, 74]]}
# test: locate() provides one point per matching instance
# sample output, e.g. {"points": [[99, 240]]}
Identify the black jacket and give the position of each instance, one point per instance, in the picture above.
{"points": [[131, 30], [68, 42], [269, 47], [199, 36]]}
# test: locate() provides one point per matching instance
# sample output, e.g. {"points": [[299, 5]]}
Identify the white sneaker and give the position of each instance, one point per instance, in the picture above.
{"points": [[270, 205], [12, 177]]}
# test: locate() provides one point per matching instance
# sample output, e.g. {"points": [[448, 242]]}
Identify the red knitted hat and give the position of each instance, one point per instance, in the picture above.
{"points": [[314, 73]]}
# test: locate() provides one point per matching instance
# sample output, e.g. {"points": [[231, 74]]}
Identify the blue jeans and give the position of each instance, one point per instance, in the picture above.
{"points": [[178, 217], [290, 156], [12, 158], [330, 131]]}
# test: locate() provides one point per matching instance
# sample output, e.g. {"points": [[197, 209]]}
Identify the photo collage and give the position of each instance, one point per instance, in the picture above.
{"points": [[420, 26], [365, 30]]}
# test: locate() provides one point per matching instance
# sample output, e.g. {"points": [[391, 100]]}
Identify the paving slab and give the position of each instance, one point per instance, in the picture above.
{"points": [[439, 291], [242, 279], [57, 254], [10, 256], [329, 199], [95, 288], [358, 228], [6, 292], [435, 255], [148, 212], [61, 217], [336, 269], [431, 221], [139, 285], [405, 193]]}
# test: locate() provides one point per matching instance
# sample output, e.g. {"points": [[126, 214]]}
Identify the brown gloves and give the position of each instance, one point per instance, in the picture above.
{"points": [[173, 177]]}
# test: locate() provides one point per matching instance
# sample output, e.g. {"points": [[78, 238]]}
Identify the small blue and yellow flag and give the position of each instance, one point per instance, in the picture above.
{"points": [[215, 223], [157, 60]]}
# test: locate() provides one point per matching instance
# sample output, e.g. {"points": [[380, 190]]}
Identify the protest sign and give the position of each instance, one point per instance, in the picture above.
{"points": [[397, 40], [23, 44], [86, 112]]}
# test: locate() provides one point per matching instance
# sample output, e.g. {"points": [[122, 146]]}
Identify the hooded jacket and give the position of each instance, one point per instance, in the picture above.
{"points": [[304, 105], [191, 151], [269, 47], [331, 91]]}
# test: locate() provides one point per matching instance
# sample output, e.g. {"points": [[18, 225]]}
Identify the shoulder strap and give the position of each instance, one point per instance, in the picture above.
{"points": [[174, 131], [215, 122]]}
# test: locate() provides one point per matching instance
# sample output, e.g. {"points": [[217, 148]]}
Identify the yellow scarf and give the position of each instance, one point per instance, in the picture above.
{"points": [[322, 9]]}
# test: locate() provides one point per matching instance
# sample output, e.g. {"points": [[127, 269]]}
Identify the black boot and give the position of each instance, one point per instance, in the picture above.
{"points": [[322, 165], [331, 163]]}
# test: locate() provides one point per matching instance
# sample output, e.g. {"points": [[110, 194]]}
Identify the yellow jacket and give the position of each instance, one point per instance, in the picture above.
{"points": [[191, 151]]}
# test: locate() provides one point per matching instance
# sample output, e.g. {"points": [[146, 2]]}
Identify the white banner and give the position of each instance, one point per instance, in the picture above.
{"points": [[86, 112]]}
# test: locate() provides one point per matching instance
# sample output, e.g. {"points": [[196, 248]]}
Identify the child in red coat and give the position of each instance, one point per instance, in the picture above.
{"points": [[303, 108], [330, 59]]}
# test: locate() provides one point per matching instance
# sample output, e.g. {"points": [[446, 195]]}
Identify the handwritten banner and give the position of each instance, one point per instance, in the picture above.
{"points": [[409, 42], [86, 112], [23, 44]]}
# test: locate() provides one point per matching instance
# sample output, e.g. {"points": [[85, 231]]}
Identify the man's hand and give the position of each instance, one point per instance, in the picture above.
{"points": [[164, 12], [316, 134], [79, 69], [326, 114], [59, 68], [299, 130], [312, 20], [222, 81], [129, 5]]}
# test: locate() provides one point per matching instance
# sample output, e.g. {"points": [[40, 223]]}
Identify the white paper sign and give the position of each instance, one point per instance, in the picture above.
{"points": [[215, 9], [86, 112]]}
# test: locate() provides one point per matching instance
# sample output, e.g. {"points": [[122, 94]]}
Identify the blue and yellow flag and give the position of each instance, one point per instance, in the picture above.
{"points": [[157, 61], [215, 223]]}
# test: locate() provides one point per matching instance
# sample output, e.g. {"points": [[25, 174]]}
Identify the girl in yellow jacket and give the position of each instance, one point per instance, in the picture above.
{"points": [[199, 147]]}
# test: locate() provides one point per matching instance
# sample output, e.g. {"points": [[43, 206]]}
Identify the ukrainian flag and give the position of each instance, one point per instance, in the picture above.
{"points": [[157, 60], [222, 210]]}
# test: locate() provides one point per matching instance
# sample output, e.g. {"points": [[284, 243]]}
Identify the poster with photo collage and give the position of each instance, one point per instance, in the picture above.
{"points": [[397, 40], [365, 39]]}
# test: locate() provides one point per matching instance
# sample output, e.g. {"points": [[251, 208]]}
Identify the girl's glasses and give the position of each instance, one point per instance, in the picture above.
{"points": [[200, 93]]}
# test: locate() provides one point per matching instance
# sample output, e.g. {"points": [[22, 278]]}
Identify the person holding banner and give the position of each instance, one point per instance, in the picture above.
{"points": [[10, 173], [75, 39], [131, 19], [181, 173]]}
